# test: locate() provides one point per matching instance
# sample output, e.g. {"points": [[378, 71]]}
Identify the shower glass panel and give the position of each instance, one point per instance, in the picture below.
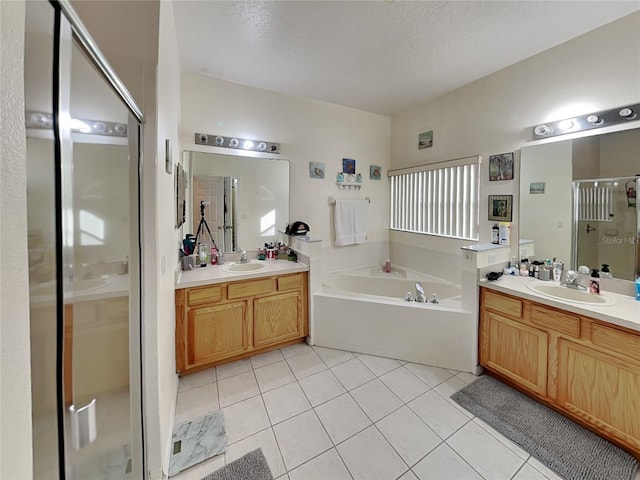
{"points": [[82, 175], [606, 224], [41, 237]]}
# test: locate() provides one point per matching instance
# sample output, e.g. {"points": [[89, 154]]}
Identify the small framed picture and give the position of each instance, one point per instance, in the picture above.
{"points": [[348, 165], [500, 208], [425, 140], [536, 188], [316, 170], [501, 167], [375, 172]]}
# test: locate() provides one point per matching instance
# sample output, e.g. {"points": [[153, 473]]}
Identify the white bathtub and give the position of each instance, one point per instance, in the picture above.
{"points": [[363, 310]]}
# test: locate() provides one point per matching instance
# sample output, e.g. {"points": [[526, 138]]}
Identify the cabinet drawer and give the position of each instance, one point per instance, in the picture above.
{"points": [[621, 342], [208, 294], [503, 304], [250, 289], [291, 282], [561, 322]]}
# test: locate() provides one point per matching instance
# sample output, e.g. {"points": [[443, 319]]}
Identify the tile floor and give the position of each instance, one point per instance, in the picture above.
{"points": [[326, 414]]}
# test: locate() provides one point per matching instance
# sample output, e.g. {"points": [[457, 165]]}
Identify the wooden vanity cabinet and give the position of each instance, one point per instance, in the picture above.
{"points": [[587, 369], [226, 321]]}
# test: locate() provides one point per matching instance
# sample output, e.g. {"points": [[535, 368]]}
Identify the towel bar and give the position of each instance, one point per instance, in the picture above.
{"points": [[332, 200]]}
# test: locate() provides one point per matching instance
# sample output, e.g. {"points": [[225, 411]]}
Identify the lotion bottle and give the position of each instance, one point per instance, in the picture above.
{"points": [[594, 282]]}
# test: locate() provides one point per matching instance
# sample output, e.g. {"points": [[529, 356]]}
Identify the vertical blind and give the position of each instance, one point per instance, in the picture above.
{"points": [[595, 201], [438, 199]]}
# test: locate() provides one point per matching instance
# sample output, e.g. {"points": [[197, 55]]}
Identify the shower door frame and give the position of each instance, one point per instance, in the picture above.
{"points": [[68, 24]]}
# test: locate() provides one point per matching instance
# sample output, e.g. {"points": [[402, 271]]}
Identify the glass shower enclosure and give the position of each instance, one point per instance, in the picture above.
{"points": [[84, 271]]}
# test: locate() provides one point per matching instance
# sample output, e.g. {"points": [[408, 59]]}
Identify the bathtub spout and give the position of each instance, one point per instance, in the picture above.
{"points": [[420, 296]]}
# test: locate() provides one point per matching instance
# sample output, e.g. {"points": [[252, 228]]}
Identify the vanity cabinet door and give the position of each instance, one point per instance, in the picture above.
{"points": [[601, 390], [514, 350], [277, 318], [217, 332]]}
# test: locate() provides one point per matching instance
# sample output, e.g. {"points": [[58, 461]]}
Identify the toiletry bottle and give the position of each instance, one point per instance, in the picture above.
{"points": [[340, 177], [504, 233], [495, 234], [638, 288], [594, 282], [387, 266], [605, 272], [524, 269]]}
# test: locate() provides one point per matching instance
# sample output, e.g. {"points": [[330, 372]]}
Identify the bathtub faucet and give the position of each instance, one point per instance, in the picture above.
{"points": [[420, 296]]}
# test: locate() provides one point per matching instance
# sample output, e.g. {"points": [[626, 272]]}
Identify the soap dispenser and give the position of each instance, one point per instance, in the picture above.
{"points": [[594, 282], [605, 272]]}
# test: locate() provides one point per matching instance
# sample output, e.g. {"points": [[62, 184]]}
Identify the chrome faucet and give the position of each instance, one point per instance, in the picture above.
{"points": [[420, 296], [434, 299], [571, 280], [243, 257]]}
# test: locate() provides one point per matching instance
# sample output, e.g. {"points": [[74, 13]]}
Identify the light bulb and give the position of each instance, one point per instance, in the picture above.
{"points": [[262, 146], [234, 142], [565, 125], [625, 112], [219, 141], [542, 130], [247, 145]]}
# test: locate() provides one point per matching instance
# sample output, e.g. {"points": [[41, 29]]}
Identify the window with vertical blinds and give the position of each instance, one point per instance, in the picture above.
{"points": [[438, 199]]}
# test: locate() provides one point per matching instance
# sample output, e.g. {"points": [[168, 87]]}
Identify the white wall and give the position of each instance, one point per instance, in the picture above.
{"points": [[168, 97], [549, 216], [15, 371], [308, 131], [492, 115]]}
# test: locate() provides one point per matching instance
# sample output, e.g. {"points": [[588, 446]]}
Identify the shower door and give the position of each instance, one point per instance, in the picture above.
{"points": [[83, 217]]}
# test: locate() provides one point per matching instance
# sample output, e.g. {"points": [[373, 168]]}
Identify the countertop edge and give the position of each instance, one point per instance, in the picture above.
{"points": [[625, 313], [211, 275]]}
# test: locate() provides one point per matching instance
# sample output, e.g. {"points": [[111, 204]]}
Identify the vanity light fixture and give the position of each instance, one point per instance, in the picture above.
{"points": [[605, 118], [44, 121], [237, 143]]}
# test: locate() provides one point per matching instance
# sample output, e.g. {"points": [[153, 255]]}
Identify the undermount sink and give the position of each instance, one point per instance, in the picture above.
{"points": [[245, 267], [77, 286], [570, 294]]}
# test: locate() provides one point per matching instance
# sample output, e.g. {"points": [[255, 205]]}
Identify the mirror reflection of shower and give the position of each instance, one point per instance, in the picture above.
{"points": [[606, 224]]}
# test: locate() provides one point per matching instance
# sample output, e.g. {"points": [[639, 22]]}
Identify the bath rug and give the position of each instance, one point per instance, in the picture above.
{"points": [[567, 448], [252, 466], [197, 440]]}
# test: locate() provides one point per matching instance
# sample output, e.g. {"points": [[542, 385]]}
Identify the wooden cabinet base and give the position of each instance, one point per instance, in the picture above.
{"points": [[579, 366], [224, 322], [251, 353]]}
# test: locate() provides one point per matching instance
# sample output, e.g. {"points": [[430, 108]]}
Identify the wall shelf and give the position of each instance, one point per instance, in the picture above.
{"points": [[348, 185]]}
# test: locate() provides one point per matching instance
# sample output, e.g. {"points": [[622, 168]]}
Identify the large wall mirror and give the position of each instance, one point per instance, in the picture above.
{"points": [[244, 200], [578, 201]]}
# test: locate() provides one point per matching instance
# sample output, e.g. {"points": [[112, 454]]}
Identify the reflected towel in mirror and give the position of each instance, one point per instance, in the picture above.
{"points": [[350, 221]]}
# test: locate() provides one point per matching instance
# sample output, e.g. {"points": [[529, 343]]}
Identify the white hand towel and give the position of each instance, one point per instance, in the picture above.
{"points": [[350, 221]]}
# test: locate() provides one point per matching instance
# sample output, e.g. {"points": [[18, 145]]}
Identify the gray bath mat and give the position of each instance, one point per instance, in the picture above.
{"points": [[252, 466], [196, 440], [565, 447]]}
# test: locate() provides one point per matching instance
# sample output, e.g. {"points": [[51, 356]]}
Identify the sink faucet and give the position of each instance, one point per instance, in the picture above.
{"points": [[243, 257], [571, 280], [420, 296]]}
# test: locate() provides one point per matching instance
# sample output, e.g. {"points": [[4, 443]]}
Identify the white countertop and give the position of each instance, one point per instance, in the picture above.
{"points": [[217, 273], [624, 312]]}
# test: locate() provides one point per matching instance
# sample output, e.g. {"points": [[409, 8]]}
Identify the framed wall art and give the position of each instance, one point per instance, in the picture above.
{"points": [[501, 167], [375, 172], [500, 208], [425, 140], [348, 165], [316, 170]]}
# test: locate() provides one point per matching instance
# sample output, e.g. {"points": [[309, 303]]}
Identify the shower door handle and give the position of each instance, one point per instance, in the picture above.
{"points": [[590, 229]]}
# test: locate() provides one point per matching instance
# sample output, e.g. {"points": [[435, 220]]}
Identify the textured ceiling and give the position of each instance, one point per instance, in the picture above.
{"points": [[378, 56]]}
